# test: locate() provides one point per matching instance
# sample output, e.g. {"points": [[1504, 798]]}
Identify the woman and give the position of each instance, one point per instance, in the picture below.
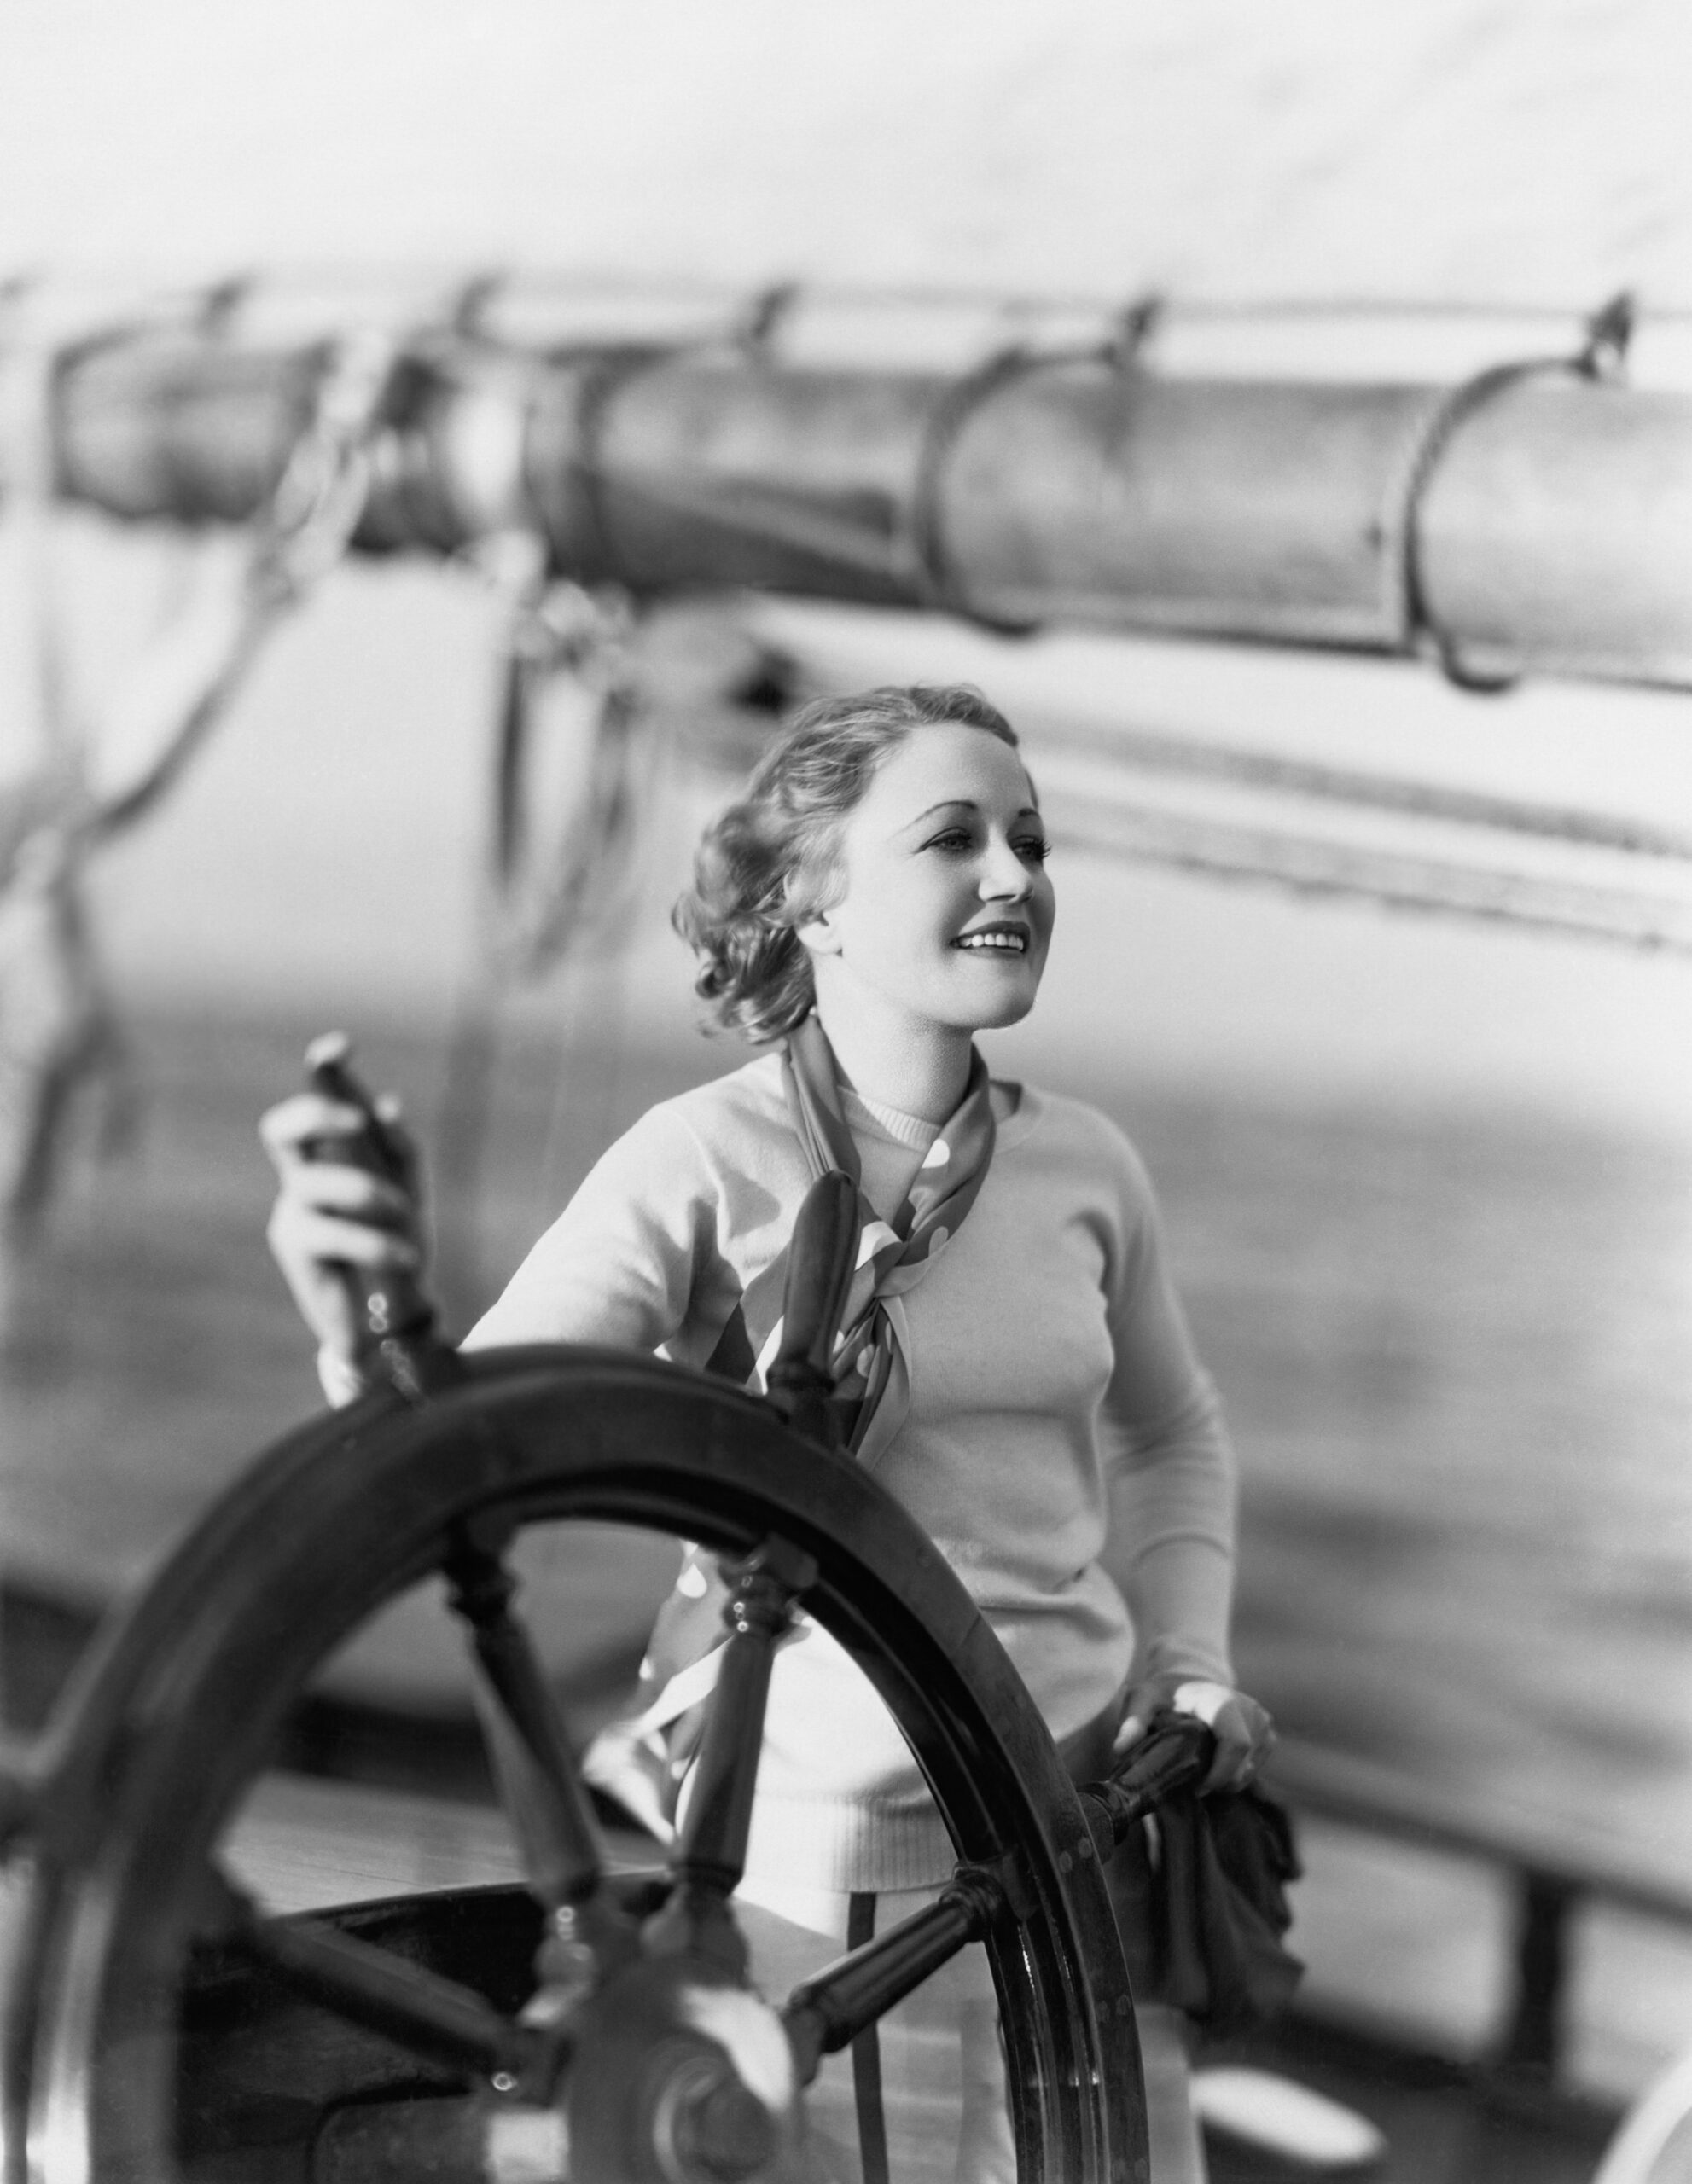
{"points": [[1020, 1374]]}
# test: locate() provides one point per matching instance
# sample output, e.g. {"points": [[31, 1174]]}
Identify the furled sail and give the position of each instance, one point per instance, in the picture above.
{"points": [[1535, 517]]}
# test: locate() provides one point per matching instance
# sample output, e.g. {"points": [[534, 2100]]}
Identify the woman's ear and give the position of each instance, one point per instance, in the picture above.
{"points": [[818, 934], [814, 926]]}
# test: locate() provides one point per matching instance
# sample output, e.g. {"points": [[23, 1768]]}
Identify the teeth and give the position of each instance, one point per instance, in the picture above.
{"points": [[1007, 943]]}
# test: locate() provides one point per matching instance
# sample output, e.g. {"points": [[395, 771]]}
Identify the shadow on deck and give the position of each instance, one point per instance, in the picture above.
{"points": [[1444, 2122]]}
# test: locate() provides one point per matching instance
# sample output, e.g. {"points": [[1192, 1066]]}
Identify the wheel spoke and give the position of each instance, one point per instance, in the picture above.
{"points": [[528, 1744], [20, 1787], [758, 1612], [827, 2012], [429, 2015], [711, 1856]]}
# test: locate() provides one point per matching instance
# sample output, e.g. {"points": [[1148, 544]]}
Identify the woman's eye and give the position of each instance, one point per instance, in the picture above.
{"points": [[1035, 847], [954, 837]]}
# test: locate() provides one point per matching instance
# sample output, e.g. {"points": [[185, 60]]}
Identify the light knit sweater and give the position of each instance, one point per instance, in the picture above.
{"points": [[1063, 1447]]}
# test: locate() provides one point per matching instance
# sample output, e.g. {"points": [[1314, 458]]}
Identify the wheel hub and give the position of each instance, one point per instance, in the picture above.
{"points": [[678, 2076]]}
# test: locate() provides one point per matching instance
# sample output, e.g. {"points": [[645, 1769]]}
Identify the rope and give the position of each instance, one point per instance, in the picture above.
{"points": [[325, 484], [1602, 355], [298, 539], [938, 579], [541, 915], [59, 1030], [937, 576], [763, 315], [537, 912], [543, 900], [546, 906], [59, 1033], [818, 531], [1306, 866], [1170, 754]]}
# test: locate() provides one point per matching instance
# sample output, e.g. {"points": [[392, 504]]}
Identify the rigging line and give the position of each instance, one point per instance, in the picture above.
{"points": [[1307, 866], [198, 661], [605, 282], [339, 276], [768, 513], [542, 897], [1152, 751]]}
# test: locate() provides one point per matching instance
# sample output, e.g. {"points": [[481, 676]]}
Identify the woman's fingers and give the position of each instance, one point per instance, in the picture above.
{"points": [[311, 1136], [336, 1222], [327, 1258], [1245, 1737], [334, 1187], [324, 1236], [1244, 1733], [294, 1128]]}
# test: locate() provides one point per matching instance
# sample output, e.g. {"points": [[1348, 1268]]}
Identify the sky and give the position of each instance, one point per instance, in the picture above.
{"points": [[1459, 154], [1498, 151]]}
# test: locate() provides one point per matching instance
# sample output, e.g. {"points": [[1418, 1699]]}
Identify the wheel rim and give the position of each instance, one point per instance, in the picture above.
{"points": [[175, 1715]]}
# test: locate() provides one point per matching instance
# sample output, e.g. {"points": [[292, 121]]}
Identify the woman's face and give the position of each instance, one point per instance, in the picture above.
{"points": [[944, 907]]}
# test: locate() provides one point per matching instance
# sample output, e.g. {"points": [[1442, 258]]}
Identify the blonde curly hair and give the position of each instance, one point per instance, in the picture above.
{"points": [[766, 865]]}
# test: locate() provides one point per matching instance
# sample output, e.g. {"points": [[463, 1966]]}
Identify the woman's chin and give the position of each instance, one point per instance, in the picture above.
{"points": [[999, 1015]]}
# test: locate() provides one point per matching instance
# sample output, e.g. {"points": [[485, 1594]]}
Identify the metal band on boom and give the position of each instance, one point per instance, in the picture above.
{"points": [[942, 587], [937, 574], [1601, 356], [605, 379]]}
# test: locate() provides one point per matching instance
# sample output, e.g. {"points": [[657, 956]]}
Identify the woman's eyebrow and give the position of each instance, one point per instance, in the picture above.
{"points": [[964, 804], [947, 804]]}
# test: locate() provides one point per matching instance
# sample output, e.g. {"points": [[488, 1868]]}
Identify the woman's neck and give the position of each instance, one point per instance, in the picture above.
{"points": [[919, 1067]]}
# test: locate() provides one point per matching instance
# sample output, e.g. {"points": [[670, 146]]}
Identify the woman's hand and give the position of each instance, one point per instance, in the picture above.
{"points": [[1244, 1733], [335, 1222]]}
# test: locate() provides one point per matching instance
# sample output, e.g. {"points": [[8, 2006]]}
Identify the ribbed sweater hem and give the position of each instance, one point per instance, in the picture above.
{"points": [[845, 1844]]}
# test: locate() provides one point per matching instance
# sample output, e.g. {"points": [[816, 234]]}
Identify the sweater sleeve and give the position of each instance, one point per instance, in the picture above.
{"points": [[1170, 1545], [633, 1259]]}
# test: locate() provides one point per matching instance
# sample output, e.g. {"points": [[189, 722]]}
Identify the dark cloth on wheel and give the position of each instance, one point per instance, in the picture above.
{"points": [[1203, 1920]]}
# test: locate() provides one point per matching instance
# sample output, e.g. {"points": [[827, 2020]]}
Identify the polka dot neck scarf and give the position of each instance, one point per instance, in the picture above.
{"points": [[871, 1359]]}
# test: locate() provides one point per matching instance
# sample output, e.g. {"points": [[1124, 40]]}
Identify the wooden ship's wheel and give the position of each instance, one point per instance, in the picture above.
{"points": [[597, 2027]]}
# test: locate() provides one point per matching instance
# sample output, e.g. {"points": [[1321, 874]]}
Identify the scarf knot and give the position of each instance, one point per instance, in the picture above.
{"points": [[871, 1369]]}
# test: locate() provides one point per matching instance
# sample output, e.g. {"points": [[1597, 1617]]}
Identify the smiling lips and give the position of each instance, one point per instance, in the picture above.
{"points": [[995, 939]]}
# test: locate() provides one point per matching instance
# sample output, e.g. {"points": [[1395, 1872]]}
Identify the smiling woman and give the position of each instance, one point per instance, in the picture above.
{"points": [[893, 881], [942, 921], [1011, 1359]]}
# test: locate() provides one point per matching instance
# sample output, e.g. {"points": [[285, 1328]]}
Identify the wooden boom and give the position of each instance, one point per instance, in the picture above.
{"points": [[1534, 518]]}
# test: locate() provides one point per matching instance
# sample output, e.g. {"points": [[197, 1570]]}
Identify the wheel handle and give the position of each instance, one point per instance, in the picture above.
{"points": [[401, 1344]]}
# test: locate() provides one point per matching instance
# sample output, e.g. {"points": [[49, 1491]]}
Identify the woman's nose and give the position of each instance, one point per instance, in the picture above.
{"points": [[1004, 875]]}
